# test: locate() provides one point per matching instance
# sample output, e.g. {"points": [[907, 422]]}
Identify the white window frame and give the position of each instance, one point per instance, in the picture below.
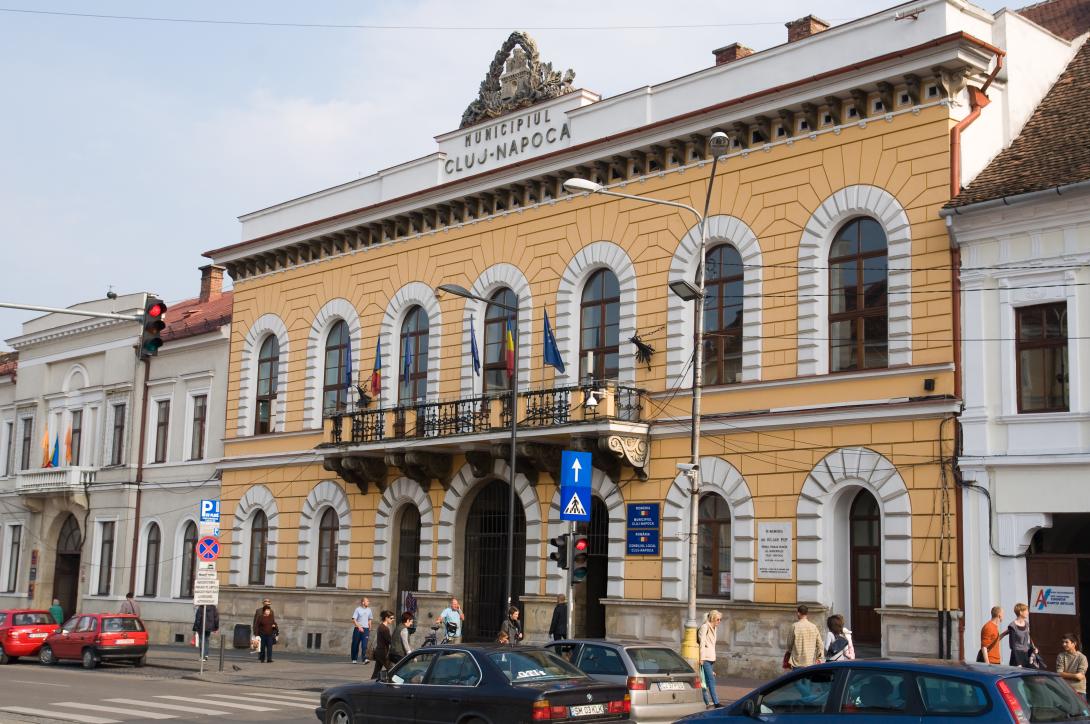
{"points": [[5, 562], [8, 430], [176, 559], [142, 559], [152, 423], [111, 417], [190, 405], [96, 559], [25, 420]]}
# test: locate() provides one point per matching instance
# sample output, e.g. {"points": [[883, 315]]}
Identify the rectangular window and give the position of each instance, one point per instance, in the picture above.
{"points": [[13, 557], [162, 426], [9, 449], [28, 433], [200, 417], [105, 558], [77, 435], [117, 440], [1041, 352]]}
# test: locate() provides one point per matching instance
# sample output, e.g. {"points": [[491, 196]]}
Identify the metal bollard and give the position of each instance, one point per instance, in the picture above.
{"points": [[221, 652]]}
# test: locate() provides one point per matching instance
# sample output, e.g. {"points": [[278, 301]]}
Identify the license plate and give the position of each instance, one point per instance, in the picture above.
{"points": [[37, 636], [125, 642], [588, 709], [672, 686]]}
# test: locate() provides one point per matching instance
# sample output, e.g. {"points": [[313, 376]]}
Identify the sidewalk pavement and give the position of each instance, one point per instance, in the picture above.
{"points": [[308, 671]]}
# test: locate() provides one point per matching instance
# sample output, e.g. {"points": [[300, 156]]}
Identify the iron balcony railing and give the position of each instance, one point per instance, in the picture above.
{"points": [[537, 409]]}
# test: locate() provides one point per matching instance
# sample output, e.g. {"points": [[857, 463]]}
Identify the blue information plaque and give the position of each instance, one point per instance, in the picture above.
{"points": [[643, 542], [643, 515]]}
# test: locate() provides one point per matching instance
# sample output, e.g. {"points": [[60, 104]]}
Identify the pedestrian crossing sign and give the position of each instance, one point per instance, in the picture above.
{"points": [[576, 469], [575, 506]]}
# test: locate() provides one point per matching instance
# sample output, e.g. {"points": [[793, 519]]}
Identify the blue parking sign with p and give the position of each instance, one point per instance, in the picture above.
{"points": [[210, 511]]}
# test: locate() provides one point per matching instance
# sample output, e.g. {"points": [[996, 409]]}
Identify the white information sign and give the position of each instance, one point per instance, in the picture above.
{"points": [[774, 550], [1053, 599], [206, 588], [207, 529]]}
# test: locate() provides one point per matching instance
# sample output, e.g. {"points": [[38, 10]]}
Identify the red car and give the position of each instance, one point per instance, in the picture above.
{"points": [[96, 637], [22, 632]]}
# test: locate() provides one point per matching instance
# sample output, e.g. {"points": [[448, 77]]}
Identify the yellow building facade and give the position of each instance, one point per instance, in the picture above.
{"points": [[828, 402]]}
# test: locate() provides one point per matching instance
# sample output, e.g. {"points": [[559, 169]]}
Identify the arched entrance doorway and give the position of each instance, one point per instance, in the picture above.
{"points": [[589, 612], [408, 554], [66, 571], [485, 559], [865, 564]]}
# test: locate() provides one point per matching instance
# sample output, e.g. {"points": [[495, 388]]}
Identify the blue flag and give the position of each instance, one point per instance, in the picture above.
{"points": [[348, 366], [552, 352], [473, 347], [407, 367]]}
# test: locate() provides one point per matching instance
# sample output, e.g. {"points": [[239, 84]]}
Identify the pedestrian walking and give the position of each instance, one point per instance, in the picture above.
{"points": [[1071, 664], [1023, 650], [989, 638], [206, 621], [455, 615], [838, 640], [56, 611], [558, 627], [361, 631], [383, 640], [804, 641], [129, 605], [401, 645], [512, 626], [257, 614], [706, 637], [267, 630]]}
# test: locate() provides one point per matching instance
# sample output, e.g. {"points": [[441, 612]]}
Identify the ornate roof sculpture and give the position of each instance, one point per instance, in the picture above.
{"points": [[516, 80]]}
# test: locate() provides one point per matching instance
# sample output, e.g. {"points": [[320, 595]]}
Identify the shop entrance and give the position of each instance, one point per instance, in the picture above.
{"points": [[486, 561], [66, 571], [1057, 571]]}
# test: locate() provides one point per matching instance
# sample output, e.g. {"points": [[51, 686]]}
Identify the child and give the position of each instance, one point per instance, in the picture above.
{"points": [[503, 638]]}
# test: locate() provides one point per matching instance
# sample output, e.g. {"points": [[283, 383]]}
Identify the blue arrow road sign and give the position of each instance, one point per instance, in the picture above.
{"points": [[575, 471]]}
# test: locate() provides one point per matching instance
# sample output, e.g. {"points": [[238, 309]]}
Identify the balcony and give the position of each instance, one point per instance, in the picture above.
{"points": [[421, 438], [53, 481]]}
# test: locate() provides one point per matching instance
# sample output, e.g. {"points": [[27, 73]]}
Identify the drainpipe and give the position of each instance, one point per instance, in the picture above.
{"points": [[978, 99]]}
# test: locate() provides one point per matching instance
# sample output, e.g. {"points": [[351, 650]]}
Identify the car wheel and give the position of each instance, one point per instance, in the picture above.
{"points": [[338, 713], [4, 658], [45, 656], [89, 659], [140, 661]]}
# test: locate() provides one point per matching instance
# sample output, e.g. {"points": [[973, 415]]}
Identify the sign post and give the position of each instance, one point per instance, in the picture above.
{"points": [[575, 472], [206, 592]]}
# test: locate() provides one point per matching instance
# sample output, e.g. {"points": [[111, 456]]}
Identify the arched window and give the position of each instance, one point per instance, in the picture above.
{"points": [[713, 547], [414, 356], [189, 554], [327, 548], [723, 316], [496, 318], [858, 312], [599, 325], [268, 363], [338, 346], [151, 560], [408, 553], [259, 548]]}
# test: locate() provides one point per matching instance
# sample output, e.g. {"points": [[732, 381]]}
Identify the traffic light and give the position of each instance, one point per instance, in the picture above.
{"points": [[152, 326], [580, 556], [560, 555]]}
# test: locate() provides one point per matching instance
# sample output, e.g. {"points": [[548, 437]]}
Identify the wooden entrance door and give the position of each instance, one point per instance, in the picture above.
{"points": [[865, 555], [66, 570], [1046, 629]]}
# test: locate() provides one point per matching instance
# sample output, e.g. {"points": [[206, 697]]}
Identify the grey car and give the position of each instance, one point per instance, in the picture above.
{"points": [[661, 685]]}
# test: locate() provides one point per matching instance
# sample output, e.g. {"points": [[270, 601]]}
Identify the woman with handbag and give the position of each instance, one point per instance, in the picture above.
{"points": [[267, 630], [838, 640], [1023, 650]]}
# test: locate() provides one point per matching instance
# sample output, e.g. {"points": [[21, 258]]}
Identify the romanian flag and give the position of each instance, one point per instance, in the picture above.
{"points": [[376, 373], [68, 446], [46, 459], [509, 348]]}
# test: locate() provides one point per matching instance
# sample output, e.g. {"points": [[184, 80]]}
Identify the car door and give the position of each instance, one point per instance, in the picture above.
{"points": [[806, 698], [950, 700], [603, 663], [395, 700], [451, 689], [63, 644], [85, 635], [879, 696]]}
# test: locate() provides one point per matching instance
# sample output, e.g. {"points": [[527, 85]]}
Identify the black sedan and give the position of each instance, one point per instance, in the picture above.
{"points": [[477, 685]]}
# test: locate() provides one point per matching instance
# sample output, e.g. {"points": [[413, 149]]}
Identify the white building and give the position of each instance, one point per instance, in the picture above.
{"points": [[1023, 231], [87, 530]]}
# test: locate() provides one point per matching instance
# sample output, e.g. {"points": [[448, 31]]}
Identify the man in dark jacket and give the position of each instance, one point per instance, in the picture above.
{"points": [[206, 622], [558, 629]]}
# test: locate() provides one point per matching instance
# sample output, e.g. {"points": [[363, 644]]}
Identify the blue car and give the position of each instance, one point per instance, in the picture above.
{"points": [[907, 691]]}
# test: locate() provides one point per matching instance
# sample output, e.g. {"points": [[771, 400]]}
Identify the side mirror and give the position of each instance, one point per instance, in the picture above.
{"points": [[749, 709], [384, 676], [57, 631]]}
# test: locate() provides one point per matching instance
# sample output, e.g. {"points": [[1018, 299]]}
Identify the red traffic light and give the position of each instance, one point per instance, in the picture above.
{"points": [[581, 544], [156, 309]]}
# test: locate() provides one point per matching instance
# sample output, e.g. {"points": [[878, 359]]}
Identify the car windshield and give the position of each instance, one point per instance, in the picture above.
{"points": [[658, 661], [527, 666], [114, 625], [31, 619], [1047, 698]]}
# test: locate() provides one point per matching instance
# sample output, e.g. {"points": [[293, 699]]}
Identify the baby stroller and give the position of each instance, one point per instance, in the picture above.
{"points": [[432, 638]]}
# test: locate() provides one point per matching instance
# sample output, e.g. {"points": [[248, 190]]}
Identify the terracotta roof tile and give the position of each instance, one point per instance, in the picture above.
{"points": [[1053, 148], [1066, 18], [9, 363], [191, 317]]}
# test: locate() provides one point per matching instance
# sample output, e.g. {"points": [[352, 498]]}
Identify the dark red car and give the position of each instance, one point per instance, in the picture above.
{"points": [[96, 637], [22, 632]]}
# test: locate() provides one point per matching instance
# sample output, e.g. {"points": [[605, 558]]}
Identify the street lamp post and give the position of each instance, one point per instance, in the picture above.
{"points": [[461, 291], [694, 293]]}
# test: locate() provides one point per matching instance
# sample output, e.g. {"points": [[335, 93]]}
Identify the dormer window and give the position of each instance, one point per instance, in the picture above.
{"points": [[852, 112], [932, 91], [905, 99], [827, 119]]}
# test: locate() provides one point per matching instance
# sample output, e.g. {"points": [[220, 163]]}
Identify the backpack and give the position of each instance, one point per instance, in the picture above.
{"points": [[836, 648]]}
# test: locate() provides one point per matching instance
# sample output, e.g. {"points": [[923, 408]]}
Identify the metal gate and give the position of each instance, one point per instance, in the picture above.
{"points": [[486, 561], [408, 554]]}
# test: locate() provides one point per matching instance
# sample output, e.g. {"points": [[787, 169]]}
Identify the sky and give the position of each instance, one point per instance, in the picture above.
{"points": [[128, 147]]}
